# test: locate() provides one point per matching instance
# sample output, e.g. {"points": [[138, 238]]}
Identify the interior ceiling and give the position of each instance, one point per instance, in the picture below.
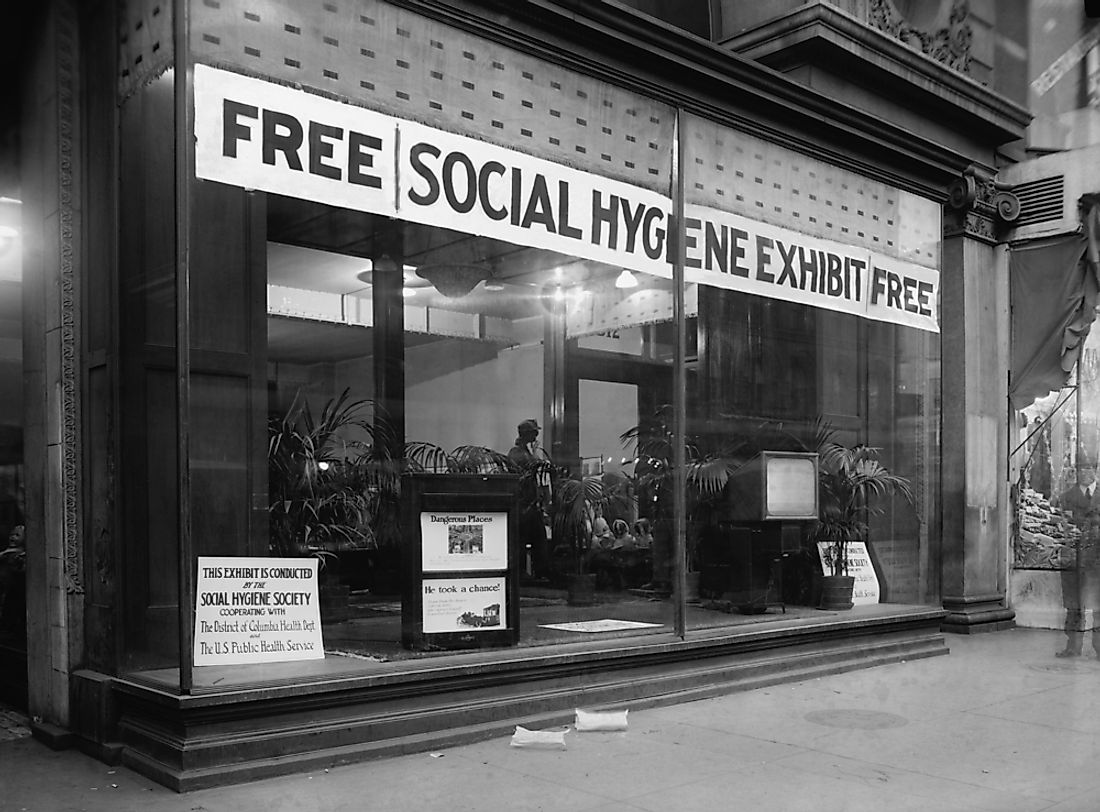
{"points": [[322, 248], [301, 341]]}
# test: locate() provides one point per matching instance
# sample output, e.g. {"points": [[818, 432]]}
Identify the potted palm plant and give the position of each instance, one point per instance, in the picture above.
{"points": [[325, 484], [851, 481], [709, 463], [576, 504]]}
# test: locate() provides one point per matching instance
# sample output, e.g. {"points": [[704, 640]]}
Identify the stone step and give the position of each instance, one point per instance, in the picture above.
{"points": [[198, 741]]}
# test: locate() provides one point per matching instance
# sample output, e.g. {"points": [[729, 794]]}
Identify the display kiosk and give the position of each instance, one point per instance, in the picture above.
{"points": [[768, 501], [460, 561]]}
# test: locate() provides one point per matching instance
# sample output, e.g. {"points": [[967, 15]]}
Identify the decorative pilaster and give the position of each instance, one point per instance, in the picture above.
{"points": [[50, 180], [974, 331], [68, 364], [979, 207]]}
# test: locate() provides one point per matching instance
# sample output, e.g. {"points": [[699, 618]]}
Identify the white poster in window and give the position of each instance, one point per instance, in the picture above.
{"points": [[463, 542], [256, 610], [464, 605], [866, 589]]}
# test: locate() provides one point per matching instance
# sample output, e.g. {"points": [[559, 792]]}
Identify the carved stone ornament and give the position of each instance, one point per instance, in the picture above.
{"points": [[69, 371], [949, 45], [979, 206]]}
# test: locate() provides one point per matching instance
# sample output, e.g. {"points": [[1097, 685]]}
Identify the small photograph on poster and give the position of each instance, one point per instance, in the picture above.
{"points": [[464, 604], [456, 542], [465, 539]]}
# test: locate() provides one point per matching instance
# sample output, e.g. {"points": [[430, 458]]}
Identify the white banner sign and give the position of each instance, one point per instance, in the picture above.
{"points": [[464, 604], [256, 610], [456, 542], [260, 135]]}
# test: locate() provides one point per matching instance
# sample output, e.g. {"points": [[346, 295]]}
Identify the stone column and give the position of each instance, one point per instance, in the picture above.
{"points": [[974, 324], [388, 334], [52, 217]]}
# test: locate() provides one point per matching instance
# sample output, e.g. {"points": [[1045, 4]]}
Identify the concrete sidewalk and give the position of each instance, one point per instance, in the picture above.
{"points": [[1000, 724]]}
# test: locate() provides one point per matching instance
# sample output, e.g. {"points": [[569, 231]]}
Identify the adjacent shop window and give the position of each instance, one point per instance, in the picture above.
{"points": [[1054, 460]]}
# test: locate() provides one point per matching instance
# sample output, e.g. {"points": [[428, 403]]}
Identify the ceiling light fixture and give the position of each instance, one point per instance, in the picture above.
{"points": [[626, 280], [453, 280]]}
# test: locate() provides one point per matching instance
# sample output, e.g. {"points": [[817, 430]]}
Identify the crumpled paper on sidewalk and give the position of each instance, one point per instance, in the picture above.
{"points": [[539, 739], [589, 721]]}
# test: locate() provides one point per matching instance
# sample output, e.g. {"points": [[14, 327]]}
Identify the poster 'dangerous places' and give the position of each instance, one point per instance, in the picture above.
{"points": [[256, 610], [461, 542]]}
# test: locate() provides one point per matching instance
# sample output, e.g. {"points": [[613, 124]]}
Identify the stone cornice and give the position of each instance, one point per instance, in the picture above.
{"points": [[826, 35]]}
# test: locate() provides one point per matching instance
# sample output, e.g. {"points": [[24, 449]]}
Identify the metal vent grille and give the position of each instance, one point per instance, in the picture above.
{"points": [[1041, 201]]}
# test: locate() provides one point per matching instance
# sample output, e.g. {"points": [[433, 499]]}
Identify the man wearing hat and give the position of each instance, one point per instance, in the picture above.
{"points": [[1080, 505], [535, 494], [526, 450]]}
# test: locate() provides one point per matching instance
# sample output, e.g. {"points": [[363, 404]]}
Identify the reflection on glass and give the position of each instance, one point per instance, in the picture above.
{"points": [[777, 382], [507, 361]]}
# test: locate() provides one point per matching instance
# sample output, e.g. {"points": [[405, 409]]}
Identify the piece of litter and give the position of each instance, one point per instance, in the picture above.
{"points": [[538, 739], [436, 755], [114, 786], [589, 721]]}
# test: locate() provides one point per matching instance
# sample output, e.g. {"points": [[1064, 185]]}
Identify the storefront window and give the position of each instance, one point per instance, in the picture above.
{"points": [[511, 360], [413, 302], [797, 356]]}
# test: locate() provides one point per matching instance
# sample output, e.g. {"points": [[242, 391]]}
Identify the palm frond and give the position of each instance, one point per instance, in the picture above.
{"points": [[426, 457], [709, 476], [476, 459], [851, 480]]}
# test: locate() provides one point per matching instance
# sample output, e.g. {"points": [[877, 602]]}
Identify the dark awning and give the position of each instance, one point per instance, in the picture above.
{"points": [[1054, 290]]}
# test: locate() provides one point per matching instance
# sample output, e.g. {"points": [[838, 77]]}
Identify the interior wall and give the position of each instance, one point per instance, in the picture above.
{"points": [[460, 392], [606, 411]]}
